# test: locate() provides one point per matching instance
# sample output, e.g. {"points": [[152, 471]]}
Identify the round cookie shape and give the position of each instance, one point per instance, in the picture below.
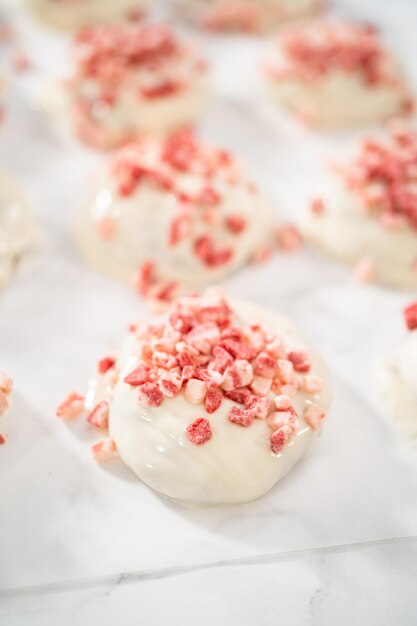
{"points": [[368, 214], [17, 231], [248, 16], [214, 403], [129, 80], [398, 386], [176, 211], [335, 74], [73, 14]]}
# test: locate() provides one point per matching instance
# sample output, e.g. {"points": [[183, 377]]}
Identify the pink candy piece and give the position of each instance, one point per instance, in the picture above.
{"points": [[285, 370], [71, 407], [104, 450], [260, 406], [105, 364], [410, 315], [314, 416], [213, 399], [240, 374], [365, 270], [261, 385], [265, 365], [282, 402], [150, 395], [199, 432], [138, 376], [4, 403], [99, 416], [284, 418], [312, 383], [300, 361], [242, 417], [289, 238], [279, 439]]}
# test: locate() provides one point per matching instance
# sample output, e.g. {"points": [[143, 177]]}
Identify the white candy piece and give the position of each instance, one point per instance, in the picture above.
{"points": [[398, 391], [17, 230], [246, 15], [237, 464], [72, 14], [142, 222], [339, 96], [350, 232]]}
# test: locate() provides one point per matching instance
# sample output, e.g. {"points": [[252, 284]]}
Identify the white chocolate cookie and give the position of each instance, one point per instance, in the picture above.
{"points": [[249, 16], [174, 210], [367, 216], [72, 14], [125, 81], [335, 74], [213, 404]]}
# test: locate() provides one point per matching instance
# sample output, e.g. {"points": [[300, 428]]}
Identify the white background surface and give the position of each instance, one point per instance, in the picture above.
{"points": [[335, 541]]}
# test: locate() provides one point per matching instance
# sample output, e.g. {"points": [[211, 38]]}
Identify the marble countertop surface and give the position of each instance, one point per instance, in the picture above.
{"points": [[336, 540]]}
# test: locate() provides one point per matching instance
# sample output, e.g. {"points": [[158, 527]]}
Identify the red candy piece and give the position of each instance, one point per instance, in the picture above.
{"points": [[105, 364], [242, 417], [199, 432], [138, 376], [300, 361], [150, 395], [213, 399], [99, 416], [410, 314]]}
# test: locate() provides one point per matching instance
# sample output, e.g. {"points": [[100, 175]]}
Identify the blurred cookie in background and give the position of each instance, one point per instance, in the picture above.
{"points": [[124, 81], [17, 230], [334, 74], [367, 214], [72, 14], [173, 213], [247, 16]]}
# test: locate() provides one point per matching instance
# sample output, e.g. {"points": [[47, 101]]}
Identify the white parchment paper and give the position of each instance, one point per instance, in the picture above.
{"points": [[62, 517]]}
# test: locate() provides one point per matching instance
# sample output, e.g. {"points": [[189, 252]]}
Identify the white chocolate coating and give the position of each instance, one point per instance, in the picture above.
{"points": [[346, 232], [336, 98], [246, 15], [236, 465], [142, 225], [398, 390], [72, 14], [17, 231]]}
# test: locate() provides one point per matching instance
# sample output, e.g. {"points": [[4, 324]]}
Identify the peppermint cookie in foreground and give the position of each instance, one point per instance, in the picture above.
{"points": [[71, 14], [212, 404], [176, 211], [336, 74], [398, 386], [249, 16], [128, 80], [368, 215], [17, 230]]}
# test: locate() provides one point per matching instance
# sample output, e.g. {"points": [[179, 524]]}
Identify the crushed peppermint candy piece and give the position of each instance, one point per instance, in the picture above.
{"points": [[410, 314], [199, 432], [71, 407], [104, 450], [279, 439], [99, 415], [314, 416]]}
